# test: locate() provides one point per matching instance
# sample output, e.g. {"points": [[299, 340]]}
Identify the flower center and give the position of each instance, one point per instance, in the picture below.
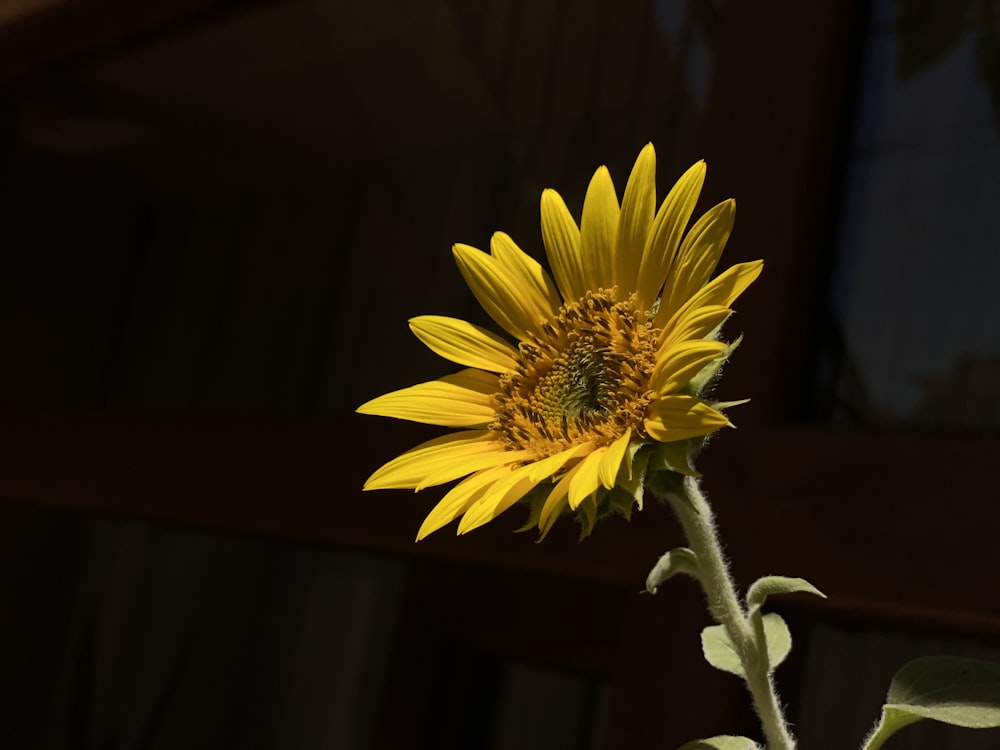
{"points": [[584, 380]]}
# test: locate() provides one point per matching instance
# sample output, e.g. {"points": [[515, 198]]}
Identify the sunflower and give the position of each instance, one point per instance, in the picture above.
{"points": [[604, 391]]}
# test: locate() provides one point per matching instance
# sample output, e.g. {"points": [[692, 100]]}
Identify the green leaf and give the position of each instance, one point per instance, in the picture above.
{"points": [[932, 682], [950, 689], [890, 723], [722, 742], [719, 650], [680, 560], [771, 585], [721, 654]]}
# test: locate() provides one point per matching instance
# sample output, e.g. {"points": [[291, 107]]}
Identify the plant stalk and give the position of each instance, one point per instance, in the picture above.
{"points": [[698, 523]]}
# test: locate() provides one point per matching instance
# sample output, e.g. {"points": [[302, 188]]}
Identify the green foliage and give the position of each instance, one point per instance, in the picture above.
{"points": [[722, 742], [680, 560], [950, 689], [771, 585], [721, 654]]}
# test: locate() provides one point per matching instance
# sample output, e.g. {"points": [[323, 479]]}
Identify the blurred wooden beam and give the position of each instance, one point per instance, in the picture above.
{"points": [[888, 525]]}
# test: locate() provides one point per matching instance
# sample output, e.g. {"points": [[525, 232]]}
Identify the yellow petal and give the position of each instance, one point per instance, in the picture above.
{"points": [[637, 211], [459, 452], [598, 231], [548, 467], [508, 491], [586, 480], [464, 343], [665, 235], [697, 259], [529, 272], [695, 323], [502, 294], [556, 501], [562, 246], [679, 417], [722, 290], [460, 498], [683, 362], [732, 282], [608, 470], [459, 400], [471, 464], [502, 495]]}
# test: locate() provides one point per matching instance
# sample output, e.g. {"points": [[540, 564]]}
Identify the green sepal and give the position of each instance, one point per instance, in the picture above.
{"points": [[619, 500], [629, 484], [950, 689], [632, 476], [586, 514], [771, 585], [723, 405], [603, 502], [722, 742], [705, 378], [721, 654], [535, 499], [668, 466], [675, 456], [666, 483], [680, 560], [627, 492]]}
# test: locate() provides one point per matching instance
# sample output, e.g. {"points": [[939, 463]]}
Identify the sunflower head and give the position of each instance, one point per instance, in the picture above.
{"points": [[601, 387]]}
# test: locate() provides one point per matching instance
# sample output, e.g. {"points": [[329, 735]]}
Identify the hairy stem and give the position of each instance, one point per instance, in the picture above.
{"points": [[698, 523]]}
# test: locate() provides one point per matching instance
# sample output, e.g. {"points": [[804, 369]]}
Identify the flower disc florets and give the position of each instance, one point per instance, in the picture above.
{"points": [[585, 379]]}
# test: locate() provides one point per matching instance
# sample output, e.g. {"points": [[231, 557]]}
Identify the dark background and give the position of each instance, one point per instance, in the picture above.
{"points": [[216, 218]]}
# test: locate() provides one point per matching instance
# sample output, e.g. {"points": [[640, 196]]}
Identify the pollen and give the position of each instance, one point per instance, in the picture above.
{"points": [[584, 379]]}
